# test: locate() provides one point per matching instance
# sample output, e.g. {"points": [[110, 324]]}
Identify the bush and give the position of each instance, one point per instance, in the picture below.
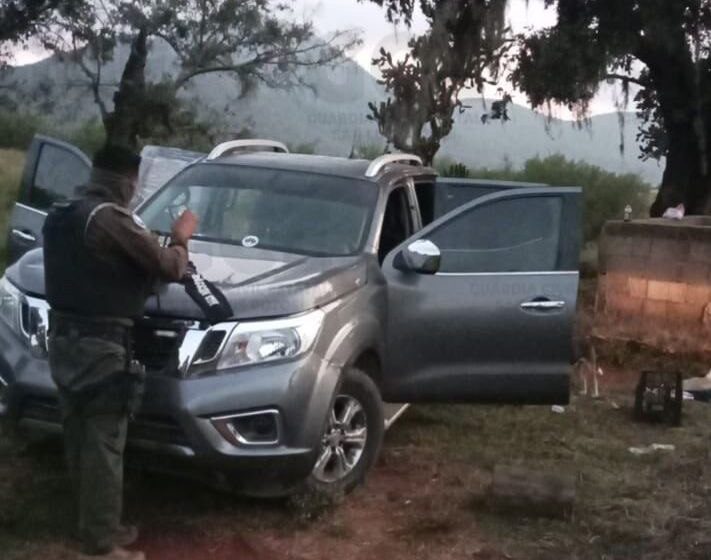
{"points": [[368, 151], [17, 129], [605, 194], [11, 165], [88, 137]]}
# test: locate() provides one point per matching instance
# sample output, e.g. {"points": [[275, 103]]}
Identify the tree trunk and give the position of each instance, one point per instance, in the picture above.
{"points": [[124, 123], [680, 89], [684, 179]]}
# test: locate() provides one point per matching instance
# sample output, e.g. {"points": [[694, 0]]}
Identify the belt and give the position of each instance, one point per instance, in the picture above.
{"points": [[115, 329], [93, 319]]}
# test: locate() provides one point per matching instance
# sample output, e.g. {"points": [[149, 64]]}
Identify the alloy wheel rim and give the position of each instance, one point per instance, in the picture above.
{"points": [[343, 441]]}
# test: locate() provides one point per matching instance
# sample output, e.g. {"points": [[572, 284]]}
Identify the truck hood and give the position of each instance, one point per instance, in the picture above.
{"points": [[257, 283]]}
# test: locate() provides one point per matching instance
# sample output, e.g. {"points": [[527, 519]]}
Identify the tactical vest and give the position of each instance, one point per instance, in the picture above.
{"points": [[82, 282]]}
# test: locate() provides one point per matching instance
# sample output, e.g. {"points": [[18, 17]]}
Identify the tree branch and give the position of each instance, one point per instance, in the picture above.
{"points": [[94, 80], [623, 78]]}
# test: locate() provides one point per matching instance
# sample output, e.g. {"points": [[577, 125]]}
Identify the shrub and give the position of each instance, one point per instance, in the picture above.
{"points": [[17, 129], [368, 151], [11, 165], [88, 137]]}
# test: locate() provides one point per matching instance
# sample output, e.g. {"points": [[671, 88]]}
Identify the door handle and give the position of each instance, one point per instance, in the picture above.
{"points": [[25, 236], [542, 305]]}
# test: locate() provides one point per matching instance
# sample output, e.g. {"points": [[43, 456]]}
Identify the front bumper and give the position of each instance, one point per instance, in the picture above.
{"points": [[176, 414]]}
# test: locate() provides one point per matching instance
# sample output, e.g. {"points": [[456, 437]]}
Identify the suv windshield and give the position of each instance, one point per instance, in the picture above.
{"points": [[287, 211]]}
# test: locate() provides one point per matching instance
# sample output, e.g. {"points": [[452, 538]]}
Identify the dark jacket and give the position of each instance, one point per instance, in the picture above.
{"points": [[100, 260]]}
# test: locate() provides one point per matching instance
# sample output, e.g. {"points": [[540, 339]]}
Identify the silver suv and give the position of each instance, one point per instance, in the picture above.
{"points": [[354, 283]]}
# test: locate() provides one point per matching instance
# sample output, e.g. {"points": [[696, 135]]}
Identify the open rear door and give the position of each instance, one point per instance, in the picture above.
{"points": [[53, 170], [494, 322], [159, 164]]}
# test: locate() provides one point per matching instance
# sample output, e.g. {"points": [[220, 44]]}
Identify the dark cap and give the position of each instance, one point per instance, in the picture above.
{"points": [[117, 159]]}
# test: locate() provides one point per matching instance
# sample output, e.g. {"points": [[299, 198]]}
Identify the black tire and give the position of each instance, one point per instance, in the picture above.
{"points": [[356, 384]]}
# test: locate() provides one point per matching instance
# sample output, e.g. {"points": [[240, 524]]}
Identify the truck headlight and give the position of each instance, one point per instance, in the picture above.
{"points": [[10, 304], [268, 341]]}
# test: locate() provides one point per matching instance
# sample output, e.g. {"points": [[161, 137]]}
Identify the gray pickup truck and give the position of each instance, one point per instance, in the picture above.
{"points": [[354, 283]]}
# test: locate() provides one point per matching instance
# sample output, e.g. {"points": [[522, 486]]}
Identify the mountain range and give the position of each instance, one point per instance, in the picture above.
{"points": [[330, 114]]}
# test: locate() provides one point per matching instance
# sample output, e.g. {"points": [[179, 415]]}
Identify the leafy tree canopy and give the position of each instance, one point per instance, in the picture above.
{"points": [[253, 41], [462, 48], [662, 47]]}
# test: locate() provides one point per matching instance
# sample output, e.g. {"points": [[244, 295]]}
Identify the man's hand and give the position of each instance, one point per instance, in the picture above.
{"points": [[184, 227]]}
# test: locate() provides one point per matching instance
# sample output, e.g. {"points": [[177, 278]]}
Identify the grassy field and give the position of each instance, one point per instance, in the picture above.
{"points": [[425, 499], [11, 164]]}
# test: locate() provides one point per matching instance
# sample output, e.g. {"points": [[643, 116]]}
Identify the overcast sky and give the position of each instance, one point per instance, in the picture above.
{"points": [[369, 20]]}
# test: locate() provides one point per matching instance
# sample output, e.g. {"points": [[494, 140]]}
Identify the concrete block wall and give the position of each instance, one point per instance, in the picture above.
{"points": [[655, 283]]}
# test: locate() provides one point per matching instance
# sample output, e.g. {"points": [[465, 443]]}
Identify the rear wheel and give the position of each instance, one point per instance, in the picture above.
{"points": [[352, 436]]}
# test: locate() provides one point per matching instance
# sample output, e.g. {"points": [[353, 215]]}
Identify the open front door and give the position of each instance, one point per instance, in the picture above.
{"points": [[494, 322], [53, 169]]}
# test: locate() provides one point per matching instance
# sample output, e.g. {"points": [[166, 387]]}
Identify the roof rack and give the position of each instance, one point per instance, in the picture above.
{"points": [[254, 145], [378, 164]]}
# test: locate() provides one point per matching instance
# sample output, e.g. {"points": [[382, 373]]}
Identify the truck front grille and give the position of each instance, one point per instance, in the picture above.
{"points": [[147, 427], [156, 345]]}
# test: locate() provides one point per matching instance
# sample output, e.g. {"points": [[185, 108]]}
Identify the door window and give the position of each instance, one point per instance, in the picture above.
{"points": [[59, 172], [397, 222], [512, 235]]}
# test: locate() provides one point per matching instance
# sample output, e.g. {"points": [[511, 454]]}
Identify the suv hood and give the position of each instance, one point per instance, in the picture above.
{"points": [[256, 282]]}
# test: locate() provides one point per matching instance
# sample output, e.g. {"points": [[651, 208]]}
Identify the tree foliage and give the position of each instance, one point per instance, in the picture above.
{"points": [[20, 19], [660, 46], [253, 41], [462, 48]]}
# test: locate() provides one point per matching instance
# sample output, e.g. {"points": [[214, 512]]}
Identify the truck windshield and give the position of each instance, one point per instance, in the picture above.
{"points": [[289, 211]]}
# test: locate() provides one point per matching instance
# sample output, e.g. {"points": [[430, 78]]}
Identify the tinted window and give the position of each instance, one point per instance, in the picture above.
{"points": [[285, 211], [453, 196], [514, 235], [59, 172]]}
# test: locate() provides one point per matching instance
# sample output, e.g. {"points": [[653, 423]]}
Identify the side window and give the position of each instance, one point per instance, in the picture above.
{"points": [[512, 235], [59, 172], [456, 195], [397, 222]]}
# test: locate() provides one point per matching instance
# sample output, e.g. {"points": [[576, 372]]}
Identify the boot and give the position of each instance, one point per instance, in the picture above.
{"points": [[116, 553], [126, 535]]}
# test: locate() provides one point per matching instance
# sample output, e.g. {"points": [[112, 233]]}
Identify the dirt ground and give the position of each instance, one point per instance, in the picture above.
{"points": [[425, 499]]}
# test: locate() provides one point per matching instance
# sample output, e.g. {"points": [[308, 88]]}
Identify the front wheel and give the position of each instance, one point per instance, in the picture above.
{"points": [[352, 436]]}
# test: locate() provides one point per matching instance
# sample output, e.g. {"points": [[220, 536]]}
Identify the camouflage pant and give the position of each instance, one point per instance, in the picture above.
{"points": [[93, 387], [94, 442]]}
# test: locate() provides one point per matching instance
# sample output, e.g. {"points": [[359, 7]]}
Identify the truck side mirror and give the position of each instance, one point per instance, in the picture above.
{"points": [[421, 256]]}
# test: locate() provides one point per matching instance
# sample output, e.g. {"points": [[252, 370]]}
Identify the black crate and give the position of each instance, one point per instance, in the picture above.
{"points": [[659, 397]]}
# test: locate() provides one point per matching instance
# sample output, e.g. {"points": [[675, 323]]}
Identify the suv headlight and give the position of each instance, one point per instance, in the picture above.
{"points": [[10, 304], [268, 341]]}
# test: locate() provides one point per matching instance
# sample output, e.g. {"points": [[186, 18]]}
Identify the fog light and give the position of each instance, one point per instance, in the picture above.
{"points": [[249, 428]]}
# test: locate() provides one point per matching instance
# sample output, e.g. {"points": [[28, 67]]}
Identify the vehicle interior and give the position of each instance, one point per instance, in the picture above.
{"points": [[426, 201], [397, 223]]}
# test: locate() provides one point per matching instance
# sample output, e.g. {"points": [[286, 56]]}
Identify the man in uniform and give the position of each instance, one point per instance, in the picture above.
{"points": [[101, 263]]}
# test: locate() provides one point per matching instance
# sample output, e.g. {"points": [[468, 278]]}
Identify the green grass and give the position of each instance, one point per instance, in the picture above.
{"points": [[656, 506], [11, 164], [627, 506]]}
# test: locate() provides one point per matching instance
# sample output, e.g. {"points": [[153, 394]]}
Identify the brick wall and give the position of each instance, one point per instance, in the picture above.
{"points": [[655, 283]]}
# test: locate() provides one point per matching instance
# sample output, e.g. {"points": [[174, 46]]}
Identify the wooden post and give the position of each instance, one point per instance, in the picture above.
{"points": [[532, 493]]}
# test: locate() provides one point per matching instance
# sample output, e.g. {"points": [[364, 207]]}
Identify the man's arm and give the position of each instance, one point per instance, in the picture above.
{"points": [[115, 230]]}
